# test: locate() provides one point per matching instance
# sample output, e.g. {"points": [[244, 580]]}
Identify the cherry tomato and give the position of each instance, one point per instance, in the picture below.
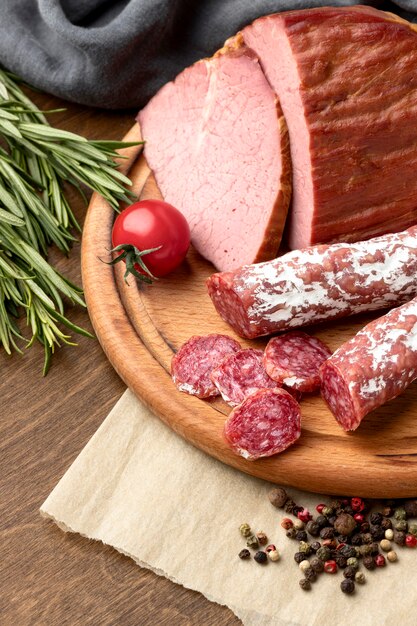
{"points": [[152, 224]]}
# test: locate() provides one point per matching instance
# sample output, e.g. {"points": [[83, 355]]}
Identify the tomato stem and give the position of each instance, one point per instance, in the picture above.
{"points": [[132, 256]]}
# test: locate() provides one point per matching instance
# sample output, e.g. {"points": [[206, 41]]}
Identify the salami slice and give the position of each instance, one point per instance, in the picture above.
{"points": [[317, 284], [191, 367], [266, 423], [241, 374], [294, 360], [373, 367]]}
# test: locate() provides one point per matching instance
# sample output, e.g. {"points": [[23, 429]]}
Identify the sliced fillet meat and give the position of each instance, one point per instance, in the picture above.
{"points": [[217, 143], [347, 83]]}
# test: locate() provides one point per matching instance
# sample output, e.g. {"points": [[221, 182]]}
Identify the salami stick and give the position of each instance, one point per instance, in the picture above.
{"points": [[375, 366], [317, 284]]}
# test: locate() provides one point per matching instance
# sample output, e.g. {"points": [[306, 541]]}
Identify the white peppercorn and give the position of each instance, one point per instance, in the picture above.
{"points": [[385, 545], [304, 565], [389, 534], [392, 556]]}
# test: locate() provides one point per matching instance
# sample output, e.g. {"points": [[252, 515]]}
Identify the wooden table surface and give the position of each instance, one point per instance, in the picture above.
{"points": [[48, 577]]}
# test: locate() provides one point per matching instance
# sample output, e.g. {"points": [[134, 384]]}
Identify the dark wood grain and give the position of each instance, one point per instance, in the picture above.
{"points": [[48, 577]]}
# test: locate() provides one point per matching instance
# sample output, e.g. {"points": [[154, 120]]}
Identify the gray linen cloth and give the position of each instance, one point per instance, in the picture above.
{"points": [[117, 53]]}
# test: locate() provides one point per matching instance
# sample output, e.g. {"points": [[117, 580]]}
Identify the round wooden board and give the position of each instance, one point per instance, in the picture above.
{"points": [[140, 328]]}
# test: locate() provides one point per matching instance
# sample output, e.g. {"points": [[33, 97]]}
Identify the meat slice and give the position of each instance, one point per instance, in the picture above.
{"points": [[218, 146], [294, 360], [317, 284], [241, 374], [266, 423], [347, 82], [378, 364], [192, 365]]}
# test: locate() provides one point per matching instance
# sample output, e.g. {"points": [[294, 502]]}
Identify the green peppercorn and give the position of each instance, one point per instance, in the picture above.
{"points": [[252, 542], [369, 562], [291, 533], [360, 578], [327, 511], [400, 514], [305, 548], [305, 584], [324, 553], [365, 549], [401, 525], [244, 554], [353, 562], [399, 537], [349, 572], [412, 529], [245, 530], [278, 497], [347, 586], [316, 564], [261, 557]]}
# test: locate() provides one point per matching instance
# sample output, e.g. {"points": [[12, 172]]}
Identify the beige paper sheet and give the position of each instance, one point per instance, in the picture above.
{"points": [[140, 488]]}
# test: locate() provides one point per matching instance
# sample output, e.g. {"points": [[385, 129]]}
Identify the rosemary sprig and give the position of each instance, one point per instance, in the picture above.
{"points": [[36, 160]]}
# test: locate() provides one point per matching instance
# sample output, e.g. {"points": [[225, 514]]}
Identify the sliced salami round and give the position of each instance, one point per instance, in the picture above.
{"points": [[191, 367], [266, 423], [241, 374], [294, 360]]}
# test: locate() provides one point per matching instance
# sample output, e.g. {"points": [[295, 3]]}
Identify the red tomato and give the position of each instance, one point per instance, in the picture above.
{"points": [[153, 224]]}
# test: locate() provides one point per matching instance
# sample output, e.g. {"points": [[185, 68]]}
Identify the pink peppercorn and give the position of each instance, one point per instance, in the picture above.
{"points": [[340, 546], [357, 504], [380, 560], [411, 541], [270, 548], [287, 523], [330, 567], [358, 517], [304, 515], [320, 507]]}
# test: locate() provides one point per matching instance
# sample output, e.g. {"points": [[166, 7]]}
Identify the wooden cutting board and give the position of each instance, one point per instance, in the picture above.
{"points": [[140, 328]]}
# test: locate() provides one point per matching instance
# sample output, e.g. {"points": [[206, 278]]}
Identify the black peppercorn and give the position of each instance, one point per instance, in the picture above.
{"points": [[335, 504], [349, 510], [375, 519], [310, 575], [291, 533], [374, 548], [342, 538], [316, 564], [369, 562], [297, 509], [340, 560], [313, 528], [305, 584], [348, 551], [321, 520], [315, 546], [347, 586], [388, 511], [327, 533], [386, 523], [244, 554], [289, 506], [299, 556], [356, 540], [301, 535], [278, 497], [367, 538], [365, 549], [410, 507], [331, 519], [261, 557], [350, 571], [377, 532], [365, 526], [399, 537]]}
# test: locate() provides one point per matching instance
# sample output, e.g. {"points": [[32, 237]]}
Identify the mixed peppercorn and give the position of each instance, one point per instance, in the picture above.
{"points": [[345, 535]]}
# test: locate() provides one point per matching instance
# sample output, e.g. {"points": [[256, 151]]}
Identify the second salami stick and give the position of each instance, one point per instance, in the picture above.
{"points": [[317, 284], [376, 365]]}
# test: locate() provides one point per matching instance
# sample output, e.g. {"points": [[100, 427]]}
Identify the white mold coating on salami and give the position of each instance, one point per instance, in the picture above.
{"points": [[241, 374], [266, 423], [373, 367], [316, 284], [191, 367]]}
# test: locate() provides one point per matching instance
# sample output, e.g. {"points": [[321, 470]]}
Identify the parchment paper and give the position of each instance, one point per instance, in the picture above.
{"points": [[140, 488]]}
